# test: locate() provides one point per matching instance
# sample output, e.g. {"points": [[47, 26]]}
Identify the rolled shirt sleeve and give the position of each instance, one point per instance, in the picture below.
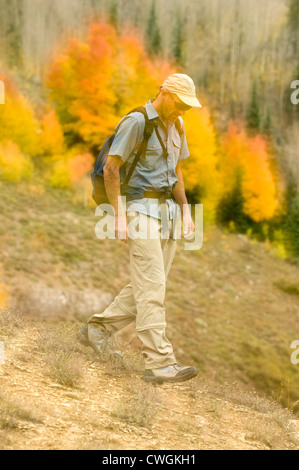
{"points": [[128, 137]]}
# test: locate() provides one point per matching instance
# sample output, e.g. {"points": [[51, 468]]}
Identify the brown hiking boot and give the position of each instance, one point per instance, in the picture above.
{"points": [[100, 340]]}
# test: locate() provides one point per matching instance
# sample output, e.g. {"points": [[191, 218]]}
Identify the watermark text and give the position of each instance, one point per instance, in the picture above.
{"points": [[295, 94], [295, 355], [158, 225]]}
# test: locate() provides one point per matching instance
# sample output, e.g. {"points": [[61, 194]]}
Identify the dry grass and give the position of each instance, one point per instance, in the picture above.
{"points": [[66, 369], [288, 287], [10, 321], [12, 414], [187, 426], [273, 436], [133, 361], [236, 393], [99, 444], [214, 408], [138, 405], [224, 310], [271, 426], [63, 354], [5, 441]]}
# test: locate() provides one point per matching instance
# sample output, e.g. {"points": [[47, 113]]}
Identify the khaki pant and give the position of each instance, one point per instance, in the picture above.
{"points": [[143, 299]]}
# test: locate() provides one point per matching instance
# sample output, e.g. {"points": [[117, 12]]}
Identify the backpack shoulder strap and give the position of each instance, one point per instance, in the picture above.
{"points": [[150, 124], [140, 109]]}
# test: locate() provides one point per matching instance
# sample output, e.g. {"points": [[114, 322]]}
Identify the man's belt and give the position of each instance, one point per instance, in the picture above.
{"points": [[132, 193], [161, 195]]}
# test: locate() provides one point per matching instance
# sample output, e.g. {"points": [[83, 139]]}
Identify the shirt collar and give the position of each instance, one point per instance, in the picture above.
{"points": [[151, 112]]}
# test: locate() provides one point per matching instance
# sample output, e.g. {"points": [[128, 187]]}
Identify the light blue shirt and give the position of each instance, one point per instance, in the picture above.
{"points": [[154, 172]]}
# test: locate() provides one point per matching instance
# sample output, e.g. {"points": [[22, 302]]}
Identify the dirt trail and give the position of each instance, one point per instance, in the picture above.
{"points": [[82, 418]]}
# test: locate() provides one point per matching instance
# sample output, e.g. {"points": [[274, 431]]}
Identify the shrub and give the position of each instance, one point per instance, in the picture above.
{"points": [[17, 119], [14, 166], [139, 407], [61, 353], [12, 413], [52, 138], [292, 227], [248, 179], [96, 81], [69, 169]]}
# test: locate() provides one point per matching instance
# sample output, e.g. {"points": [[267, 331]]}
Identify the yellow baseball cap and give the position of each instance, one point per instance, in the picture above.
{"points": [[183, 87]]}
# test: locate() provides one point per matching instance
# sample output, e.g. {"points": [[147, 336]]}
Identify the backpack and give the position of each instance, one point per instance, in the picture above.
{"points": [[97, 175], [99, 194]]}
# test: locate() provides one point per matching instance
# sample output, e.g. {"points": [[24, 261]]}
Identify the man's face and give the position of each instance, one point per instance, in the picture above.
{"points": [[173, 107]]}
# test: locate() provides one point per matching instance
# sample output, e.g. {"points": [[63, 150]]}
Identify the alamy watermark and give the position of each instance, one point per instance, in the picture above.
{"points": [[2, 353], [295, 355], [140, 226], [2, 92], [295, 94]]}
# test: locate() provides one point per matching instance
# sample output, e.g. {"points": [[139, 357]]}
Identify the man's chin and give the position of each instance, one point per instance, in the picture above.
{"points": [[173, 118]]}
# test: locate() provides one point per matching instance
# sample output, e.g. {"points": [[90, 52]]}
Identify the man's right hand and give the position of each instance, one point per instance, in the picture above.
{"points": [[112, 186], [121, 228]]}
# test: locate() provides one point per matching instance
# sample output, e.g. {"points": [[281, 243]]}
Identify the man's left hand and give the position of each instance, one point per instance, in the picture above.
{"points": [[188, 227]]}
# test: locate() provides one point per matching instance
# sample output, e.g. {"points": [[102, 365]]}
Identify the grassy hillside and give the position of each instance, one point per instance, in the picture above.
{"points": [[232, 307], [56, 394]]}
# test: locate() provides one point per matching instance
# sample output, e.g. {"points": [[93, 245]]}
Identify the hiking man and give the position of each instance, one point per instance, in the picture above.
{"points": [[155, 193]]}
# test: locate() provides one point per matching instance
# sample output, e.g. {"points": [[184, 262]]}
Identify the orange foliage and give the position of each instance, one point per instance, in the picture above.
{"points": [[3, 296], [97, 81], [17, 119], [79, 166], [14, 166], [4, 291], [200, 169], [52, 139], [258, 184], [139, 76], [250, 158], [70, 169], [80, 84]]}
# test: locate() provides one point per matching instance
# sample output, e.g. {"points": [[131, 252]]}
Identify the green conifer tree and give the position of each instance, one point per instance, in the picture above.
{"points": [[267, 125], [153, 32], [178, 40], [253, 115], [293, 22], [14, 26], [113, 14], [292, 221], [231, 207]]}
